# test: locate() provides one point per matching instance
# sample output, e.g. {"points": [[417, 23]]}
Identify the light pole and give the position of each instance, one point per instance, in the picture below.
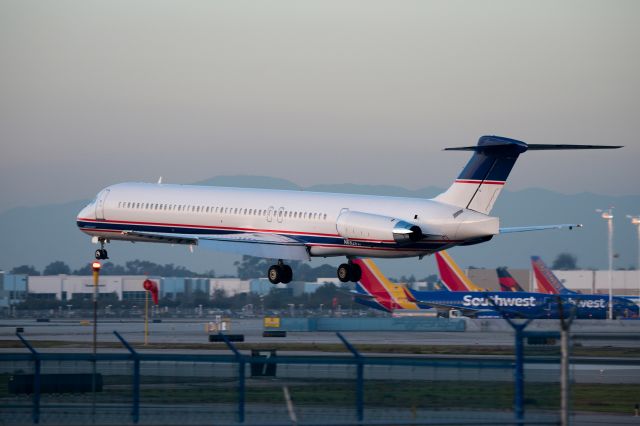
{"points": [[608, 216], [635, 220], [95, 266]]}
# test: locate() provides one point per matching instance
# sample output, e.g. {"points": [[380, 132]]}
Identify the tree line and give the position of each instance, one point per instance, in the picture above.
{"points": [[248, 267]]}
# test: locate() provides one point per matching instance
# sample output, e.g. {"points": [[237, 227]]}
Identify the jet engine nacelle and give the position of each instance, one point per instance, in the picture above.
{"points": [[367, 226]]}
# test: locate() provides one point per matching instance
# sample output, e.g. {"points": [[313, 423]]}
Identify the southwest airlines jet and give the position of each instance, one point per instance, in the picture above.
{"points": [[376, 291], [550, 284], [298, 225]]}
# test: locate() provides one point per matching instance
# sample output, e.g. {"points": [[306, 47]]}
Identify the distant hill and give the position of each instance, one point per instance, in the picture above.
{"points": [[40, 235]]}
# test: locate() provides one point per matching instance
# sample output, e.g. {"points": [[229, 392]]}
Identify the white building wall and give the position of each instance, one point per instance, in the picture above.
{"points": [[587, 281], [332, 280], [46, 284], [84, 285], [230, 286], [136, 282]]}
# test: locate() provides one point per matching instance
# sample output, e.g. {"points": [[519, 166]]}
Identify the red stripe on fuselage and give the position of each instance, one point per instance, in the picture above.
{"points": [[484, 182]]}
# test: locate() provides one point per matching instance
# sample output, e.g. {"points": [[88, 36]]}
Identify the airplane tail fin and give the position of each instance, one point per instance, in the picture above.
{"points": [[389, 295], [547, 281], [507, 282], [481, 181], [451, 274]]}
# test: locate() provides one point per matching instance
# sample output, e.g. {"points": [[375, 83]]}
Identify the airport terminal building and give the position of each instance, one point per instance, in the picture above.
{"points": [[130, 287]]}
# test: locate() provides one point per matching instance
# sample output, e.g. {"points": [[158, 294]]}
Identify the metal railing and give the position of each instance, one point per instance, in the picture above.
{"points": [[165, 388]]}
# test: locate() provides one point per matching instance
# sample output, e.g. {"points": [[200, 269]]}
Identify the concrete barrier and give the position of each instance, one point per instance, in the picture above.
{"points": [[371, 324]]}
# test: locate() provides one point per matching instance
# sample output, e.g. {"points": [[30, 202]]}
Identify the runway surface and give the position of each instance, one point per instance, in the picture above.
{"points": [[479, 332], [605, 370]]}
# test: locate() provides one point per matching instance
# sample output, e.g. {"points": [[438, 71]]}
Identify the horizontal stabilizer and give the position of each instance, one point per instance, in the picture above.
{"points": [[510, 230], [548, 147], [502, 142]]}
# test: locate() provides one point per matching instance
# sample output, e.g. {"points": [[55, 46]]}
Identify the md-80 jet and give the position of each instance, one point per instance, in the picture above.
{"points": [[298, 225]]}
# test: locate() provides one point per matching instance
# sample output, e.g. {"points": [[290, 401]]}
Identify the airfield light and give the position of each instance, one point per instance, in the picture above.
{"points": [[608, 216], [635, 220], [96, 266]]}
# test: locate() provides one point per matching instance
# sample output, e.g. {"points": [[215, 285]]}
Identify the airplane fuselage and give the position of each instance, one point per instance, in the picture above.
{"points": [[523, 304], [309, 217]]}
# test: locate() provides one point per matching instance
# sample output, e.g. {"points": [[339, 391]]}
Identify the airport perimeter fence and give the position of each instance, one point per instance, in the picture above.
{"points": [[130, 387]]}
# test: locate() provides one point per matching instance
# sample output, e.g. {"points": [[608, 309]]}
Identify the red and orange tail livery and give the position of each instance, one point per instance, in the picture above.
{"points": [[389, 296], [451, 274]]}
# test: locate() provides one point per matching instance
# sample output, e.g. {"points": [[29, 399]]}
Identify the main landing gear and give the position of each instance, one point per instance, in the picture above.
{"points": [[349, 272], [280, 273], [101, 253]]}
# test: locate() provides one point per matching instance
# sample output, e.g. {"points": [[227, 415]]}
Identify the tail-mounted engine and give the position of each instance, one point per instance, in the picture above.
{"points": [[372, 227]]}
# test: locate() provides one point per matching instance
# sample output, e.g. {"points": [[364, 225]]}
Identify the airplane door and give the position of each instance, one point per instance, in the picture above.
{"points": [[342, 211], [270, 214], [280, 214], [102, 197]]}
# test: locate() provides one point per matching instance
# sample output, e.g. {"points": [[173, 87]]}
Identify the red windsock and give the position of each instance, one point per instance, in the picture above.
{"points": [[153, 288]]}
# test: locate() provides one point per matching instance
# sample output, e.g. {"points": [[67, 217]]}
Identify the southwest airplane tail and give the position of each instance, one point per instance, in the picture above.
{"points": [[378, 292], [507, 282], [451, 274], [547, 281]]}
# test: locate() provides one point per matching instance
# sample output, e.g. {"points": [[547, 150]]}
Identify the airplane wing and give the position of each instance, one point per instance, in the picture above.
{"points": [[539, 228], [270, 246]]}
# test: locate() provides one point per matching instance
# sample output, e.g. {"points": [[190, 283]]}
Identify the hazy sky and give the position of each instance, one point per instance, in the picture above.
{"points": [[93, 93]]}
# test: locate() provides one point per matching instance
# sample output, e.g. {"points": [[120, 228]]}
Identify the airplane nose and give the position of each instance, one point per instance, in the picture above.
{"points": [[87, 212]]}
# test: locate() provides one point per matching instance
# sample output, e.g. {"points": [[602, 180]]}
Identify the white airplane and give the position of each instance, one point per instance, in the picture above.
{"points": [[298, 225]]}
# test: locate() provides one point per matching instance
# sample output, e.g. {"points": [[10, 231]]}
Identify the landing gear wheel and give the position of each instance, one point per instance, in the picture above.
{"points": [[349, 272], [343, 272], [101, 254], [356, 273], [275, 274], [287, 274]]}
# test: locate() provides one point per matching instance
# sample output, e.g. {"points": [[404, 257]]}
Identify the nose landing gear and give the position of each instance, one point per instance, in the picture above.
{"points": [[101, 253], [280, 273]]}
